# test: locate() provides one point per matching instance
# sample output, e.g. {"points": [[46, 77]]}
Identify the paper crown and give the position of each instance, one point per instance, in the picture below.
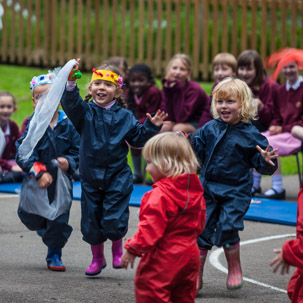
{"points": [[107, 75], [42, 79]]}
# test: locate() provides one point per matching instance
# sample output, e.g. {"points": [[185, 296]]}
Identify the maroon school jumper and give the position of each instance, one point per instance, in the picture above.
{"points": [[288, 109], [9, 152], [186, 103], [267, 93], [150, 102]]}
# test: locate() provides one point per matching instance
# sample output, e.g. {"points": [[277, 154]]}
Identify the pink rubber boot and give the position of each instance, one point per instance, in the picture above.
{"points": [[117, 252], [234, 278], [203, 255], [98, 261]]}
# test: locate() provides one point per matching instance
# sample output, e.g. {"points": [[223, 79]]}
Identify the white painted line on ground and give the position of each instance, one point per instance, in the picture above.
{"points": [[214, 259], [9, 196]]}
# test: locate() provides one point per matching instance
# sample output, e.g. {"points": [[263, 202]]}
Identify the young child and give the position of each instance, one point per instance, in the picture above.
{"points": [[286, 128], [171, 216], [229, 147], [143, 97], [224, 66], [9, 133], [291, 254], [106, 128], [60, 142], [250, 69], [184, 100]]}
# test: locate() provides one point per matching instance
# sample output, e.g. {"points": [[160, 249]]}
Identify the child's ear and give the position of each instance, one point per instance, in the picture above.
{"points": [[15, 108], [118, 92]]}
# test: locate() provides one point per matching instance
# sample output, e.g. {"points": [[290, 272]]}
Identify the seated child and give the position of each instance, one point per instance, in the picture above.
{"points": [[61, 142], [10, 171], [171, 216], [291, 254], [184, 100], [286, 128], [224, 65], [143, 97]]}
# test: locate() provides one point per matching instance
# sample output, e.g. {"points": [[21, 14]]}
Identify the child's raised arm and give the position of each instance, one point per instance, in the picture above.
{"points": [[158, 118], [75, 72], [268, 155]]}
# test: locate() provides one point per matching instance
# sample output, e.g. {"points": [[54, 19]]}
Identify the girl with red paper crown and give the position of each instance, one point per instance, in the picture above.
{"points": [[105, 127]]}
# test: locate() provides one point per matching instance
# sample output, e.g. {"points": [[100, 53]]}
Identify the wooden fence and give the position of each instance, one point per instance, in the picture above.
{"points": [[48, 33]]}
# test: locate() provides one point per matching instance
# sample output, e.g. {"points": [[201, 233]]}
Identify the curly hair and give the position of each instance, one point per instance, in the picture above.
{"points": [[238, 90]]}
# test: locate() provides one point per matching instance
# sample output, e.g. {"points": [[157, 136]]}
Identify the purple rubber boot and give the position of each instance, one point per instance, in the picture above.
{"points": [[98, 261], [234, 278], [117, 252]]}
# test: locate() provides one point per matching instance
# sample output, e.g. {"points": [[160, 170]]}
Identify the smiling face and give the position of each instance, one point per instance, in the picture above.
{"points": [[222, 71], [228, 110], [247, 73], [291, 72], [178, 71], [138, 83], [7, 107], [104, 92]]}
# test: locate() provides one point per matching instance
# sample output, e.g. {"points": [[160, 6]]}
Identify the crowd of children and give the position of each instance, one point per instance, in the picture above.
{"points": [[182, 131]]}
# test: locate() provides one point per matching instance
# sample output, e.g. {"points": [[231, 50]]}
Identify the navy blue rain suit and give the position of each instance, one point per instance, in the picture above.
{"points": [[227, 154], [106, 178], [62, 141]]}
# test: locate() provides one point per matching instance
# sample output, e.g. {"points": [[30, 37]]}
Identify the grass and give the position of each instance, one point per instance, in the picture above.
{"points": [[15, 79]]}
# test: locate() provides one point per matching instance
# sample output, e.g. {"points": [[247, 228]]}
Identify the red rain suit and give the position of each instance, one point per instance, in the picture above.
{"points": [[172, 215], [293, 255]]}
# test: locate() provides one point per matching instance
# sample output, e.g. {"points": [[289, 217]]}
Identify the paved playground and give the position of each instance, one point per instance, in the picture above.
{"points": [[24, 276]]}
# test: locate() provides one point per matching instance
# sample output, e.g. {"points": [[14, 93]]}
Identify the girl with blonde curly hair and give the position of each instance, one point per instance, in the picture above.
{"points": [[229, 147]]}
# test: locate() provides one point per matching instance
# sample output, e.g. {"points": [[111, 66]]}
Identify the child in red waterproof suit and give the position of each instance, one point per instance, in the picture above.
{"points": [[172, 215], [292, 254]]}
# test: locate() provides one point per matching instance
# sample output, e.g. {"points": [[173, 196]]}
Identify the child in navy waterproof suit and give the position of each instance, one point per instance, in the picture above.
{"points": [[105, 127], [229, 147], [59, 142]]}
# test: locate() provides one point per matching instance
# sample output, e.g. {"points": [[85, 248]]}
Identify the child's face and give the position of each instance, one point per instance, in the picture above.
{"points": [[222, 71], [247, 73], [228, 110], [138, 83], [104, 92], [38, 92], [291, 72], [178, 71], [154, 171], [7, 107]]}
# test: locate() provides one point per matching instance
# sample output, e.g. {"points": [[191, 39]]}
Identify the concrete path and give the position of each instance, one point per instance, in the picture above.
{"points": [[24, 276]]}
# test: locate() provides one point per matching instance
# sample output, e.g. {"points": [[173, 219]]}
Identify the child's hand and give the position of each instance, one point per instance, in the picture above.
{"points": [[45, 180], [128, 258], [75, 73], [275, 129], [63, 163], [158, 118], [279, 261], [268, 155], [16, 168]]}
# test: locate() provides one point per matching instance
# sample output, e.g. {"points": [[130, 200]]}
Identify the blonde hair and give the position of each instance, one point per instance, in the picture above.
{"points": [[227, 59], [185, 60], [171, 153], [237, 90]]}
